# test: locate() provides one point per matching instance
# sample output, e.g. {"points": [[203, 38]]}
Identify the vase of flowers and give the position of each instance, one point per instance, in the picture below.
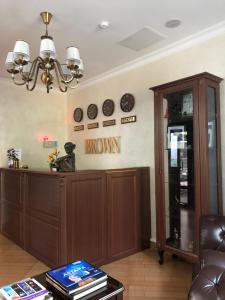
{"points": [[52, 158], [13, 160]]}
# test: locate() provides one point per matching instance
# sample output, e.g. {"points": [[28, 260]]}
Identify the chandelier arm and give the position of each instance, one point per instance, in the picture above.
{"points": [[69, 80], [35, 79], [57, 73], [73, 86], [59, 69], [33, 67], [61, 73], [16, 82], [66, 82]]}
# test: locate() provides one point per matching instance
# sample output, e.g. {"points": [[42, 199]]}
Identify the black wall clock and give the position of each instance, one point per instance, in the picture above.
{"points": [[92, 111], [127, 102], [78, 114], [108, 107]]}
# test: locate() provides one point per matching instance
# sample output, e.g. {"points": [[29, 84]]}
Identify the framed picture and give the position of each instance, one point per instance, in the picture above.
{"points": [[211, 132], [176, 137], [187, 105]]}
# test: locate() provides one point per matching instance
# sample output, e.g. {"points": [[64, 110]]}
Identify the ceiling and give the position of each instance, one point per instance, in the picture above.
{"points": [[75, 22]]}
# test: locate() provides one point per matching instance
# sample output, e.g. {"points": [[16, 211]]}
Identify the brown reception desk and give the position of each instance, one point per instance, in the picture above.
{"points": [[97, 215]]}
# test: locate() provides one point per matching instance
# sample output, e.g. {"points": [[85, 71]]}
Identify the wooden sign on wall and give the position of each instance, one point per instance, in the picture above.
{"points": [[79, 128], [128, 120], [92, 125], [103, 145]]}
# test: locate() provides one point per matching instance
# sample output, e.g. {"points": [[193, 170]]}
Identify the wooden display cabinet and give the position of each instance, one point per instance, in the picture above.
{"points": [[187, 161]]}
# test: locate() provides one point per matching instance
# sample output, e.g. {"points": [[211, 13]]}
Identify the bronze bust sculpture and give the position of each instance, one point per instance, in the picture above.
{"points": [[67, 163]]}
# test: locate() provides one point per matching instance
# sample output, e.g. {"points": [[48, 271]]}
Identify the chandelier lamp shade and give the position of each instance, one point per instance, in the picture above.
{"points": [[25, 72]]}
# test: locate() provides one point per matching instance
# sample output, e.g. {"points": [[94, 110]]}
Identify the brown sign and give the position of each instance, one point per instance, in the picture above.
{"points": [[92, 125], [79, 128], [109, 123], [128, 120], [102, 145]]}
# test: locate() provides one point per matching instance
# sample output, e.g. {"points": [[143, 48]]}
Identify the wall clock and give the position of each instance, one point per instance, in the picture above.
{"points": [[108, 107], [92, 111], [78, 114], [127, 102]]}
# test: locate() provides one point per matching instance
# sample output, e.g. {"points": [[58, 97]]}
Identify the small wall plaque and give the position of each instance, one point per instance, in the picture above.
{"points": [[79, 128], [128, 120], [109, 123], [49, 144], [92, 125]]}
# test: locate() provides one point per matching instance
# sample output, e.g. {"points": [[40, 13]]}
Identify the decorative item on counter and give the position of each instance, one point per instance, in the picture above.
{"points": [[66, 163], [13, 157], [52, 157], [25, 166]]}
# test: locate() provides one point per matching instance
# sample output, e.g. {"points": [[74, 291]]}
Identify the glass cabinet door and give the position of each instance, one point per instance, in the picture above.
{"points": [[179, 174], [212, 152]]}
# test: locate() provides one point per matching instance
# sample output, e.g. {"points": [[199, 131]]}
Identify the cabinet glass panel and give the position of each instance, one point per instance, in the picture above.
{"points": [[212, 147], [179, 199]]}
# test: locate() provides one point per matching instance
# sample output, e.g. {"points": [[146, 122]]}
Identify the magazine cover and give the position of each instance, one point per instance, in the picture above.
{"points": [[76, 275], [25, 289]]}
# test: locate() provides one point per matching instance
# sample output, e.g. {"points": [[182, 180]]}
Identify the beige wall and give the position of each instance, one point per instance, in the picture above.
{"points": [[25, 117], [137, 139]]}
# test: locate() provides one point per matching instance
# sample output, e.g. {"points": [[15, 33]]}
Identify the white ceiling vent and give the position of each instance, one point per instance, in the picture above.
{"points": [[141, 39]]}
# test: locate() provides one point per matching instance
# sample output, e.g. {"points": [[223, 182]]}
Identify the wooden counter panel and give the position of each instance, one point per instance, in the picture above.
{"points": [[43, 241], [145, 207], [12, 223], [87, 218], [43, 194], [9, 194], [123, 213], [12, 206]]}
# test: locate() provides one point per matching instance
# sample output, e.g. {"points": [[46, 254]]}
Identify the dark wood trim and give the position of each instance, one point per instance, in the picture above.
{"points": [[159, 176], [186, 79], [219, 159]]}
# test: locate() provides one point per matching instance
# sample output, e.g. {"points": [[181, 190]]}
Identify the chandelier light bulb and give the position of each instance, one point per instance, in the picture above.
{"points": [[47, 48], [10, 59], [73, 55], [22, 49]]}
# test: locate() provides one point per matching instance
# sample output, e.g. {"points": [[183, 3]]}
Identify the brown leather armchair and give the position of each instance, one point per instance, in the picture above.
{"points": [[209, 274]]}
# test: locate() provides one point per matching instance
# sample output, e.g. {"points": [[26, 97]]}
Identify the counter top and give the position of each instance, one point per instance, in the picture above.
{"points": [[63, 174]]}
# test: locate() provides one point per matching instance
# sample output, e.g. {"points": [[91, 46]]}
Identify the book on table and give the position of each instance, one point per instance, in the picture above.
{"points": [[76, 278], [26, 289], [91, 291]]}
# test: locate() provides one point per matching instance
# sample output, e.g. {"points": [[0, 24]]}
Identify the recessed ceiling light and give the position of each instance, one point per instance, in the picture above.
{"points": [[173, 23], [103, 25]]}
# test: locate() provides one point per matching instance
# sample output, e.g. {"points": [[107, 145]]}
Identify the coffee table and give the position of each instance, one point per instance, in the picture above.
{"points": [[114, 290]]}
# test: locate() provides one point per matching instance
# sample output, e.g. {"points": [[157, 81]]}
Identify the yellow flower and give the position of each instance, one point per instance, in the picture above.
{"points": [[53, 156], [55, 152]]}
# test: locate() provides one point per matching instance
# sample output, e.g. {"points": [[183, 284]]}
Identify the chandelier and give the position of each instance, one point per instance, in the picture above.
{"points": [[25, 72]]}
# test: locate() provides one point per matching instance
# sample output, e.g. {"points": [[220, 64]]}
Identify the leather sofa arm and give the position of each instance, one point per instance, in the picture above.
{"points": [[209, 284], [212, 232], [212, 257]]}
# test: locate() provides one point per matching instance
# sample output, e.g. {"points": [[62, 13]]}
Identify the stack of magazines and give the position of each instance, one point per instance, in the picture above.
{"points": [[26, 289], [76, 280]]}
